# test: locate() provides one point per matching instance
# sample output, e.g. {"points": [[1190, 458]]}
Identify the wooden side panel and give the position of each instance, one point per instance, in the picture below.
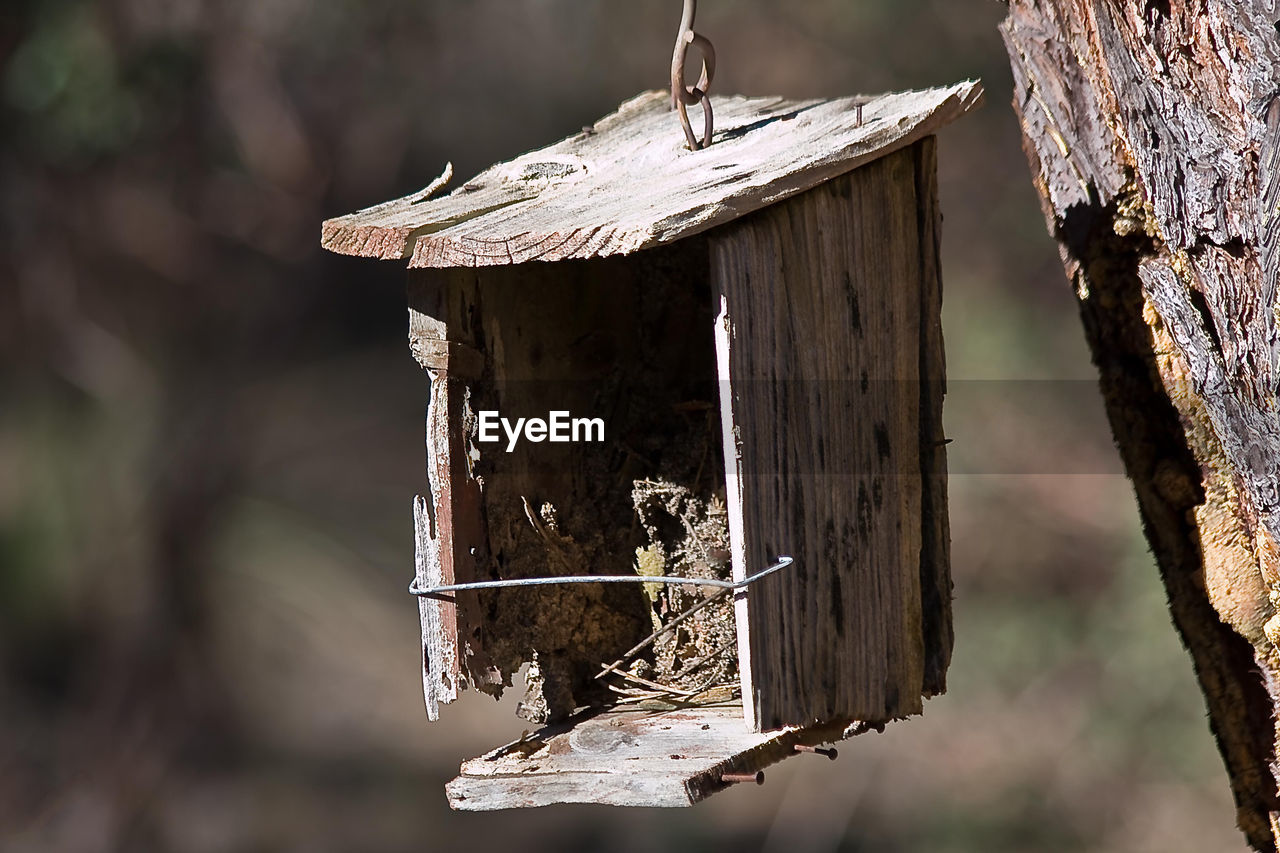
{"points": [[935, 528], [448, 526], [825, 419]]}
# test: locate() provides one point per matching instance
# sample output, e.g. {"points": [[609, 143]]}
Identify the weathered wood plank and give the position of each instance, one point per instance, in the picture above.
{"points": [[449, 529], [823, 295], [628, 183], [631, 757], [935, 524], [441, 673]]}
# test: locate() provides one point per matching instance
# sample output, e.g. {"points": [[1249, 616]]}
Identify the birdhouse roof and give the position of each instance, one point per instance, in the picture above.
{"points": [[629, 182]]}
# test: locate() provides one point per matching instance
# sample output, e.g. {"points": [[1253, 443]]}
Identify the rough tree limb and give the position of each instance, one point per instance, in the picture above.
{"points": [[1151, 129]]}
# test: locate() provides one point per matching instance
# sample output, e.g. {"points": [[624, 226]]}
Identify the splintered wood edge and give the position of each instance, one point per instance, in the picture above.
{"points": [[628, 183], [629, 757]]}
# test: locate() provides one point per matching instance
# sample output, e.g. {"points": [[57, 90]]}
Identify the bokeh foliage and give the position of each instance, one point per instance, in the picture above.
{"points": [[210, 433]]}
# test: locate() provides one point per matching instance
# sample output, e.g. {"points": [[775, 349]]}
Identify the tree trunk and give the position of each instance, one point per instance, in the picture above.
{"points": [[1151, 128]]}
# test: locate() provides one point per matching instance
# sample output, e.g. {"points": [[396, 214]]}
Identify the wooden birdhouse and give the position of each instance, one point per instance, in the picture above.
{"points": [[650, 362]]}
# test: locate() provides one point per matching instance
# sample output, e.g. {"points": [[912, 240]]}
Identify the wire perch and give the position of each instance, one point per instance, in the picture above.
{"points": [[437, 591]]}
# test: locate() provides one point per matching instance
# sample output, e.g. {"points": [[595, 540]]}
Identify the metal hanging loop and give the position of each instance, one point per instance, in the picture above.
{"points": [[684, 96]]}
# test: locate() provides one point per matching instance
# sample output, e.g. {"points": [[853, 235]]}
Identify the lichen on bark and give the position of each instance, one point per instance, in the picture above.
{"points": [[1151, 134]]}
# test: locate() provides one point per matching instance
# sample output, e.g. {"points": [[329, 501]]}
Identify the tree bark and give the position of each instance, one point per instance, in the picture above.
{"points": [[1151, 130]]}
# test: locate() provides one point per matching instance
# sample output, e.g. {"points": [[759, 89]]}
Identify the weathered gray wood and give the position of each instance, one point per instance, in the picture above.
{"points": [[631, 757], [450, 546], [1152, 134], [441, 674], [820, 334], [628, 183]]}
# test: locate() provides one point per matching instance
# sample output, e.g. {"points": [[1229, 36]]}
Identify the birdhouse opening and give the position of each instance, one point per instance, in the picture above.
{"points": [[585, 439]]}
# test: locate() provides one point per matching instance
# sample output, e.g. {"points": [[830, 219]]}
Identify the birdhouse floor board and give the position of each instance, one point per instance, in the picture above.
{"points": [[629, 183], [627, 757]]}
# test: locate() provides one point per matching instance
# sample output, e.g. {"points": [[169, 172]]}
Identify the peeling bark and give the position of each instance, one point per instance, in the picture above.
{"points": [[1151, 130]]}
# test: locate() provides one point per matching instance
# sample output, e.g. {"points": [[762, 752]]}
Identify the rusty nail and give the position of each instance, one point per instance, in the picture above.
{"points": [[829, 752], [734, 778], [859, 120]]}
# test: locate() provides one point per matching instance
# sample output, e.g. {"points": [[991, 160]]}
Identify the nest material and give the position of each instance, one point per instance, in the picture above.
{"points": [[689, 537]]}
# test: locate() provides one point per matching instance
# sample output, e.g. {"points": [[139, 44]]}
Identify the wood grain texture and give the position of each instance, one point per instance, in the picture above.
{"points": [[631, 757], [441, 672], [449, 528], [1151, 129], [935, 524], [628, 183], [1200, 134], [823, 348]]}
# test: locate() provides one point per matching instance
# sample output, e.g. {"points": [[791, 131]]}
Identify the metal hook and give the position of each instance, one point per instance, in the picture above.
{"points": [[683, 96]]}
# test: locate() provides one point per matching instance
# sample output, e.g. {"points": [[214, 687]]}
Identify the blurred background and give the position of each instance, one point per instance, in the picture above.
{"points": [[210, 433]]}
